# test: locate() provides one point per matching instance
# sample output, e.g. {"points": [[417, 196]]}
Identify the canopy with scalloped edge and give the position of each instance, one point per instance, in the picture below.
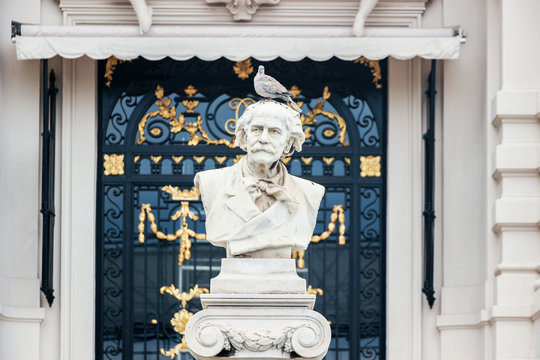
{"points": [[233, 43]]}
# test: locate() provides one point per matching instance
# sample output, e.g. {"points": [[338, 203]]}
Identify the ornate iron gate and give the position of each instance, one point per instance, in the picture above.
{"points": [[160, 123]]}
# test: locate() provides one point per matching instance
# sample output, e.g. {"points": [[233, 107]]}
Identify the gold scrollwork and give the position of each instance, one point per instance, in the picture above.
{"points": [[243, 68], [181, 318], [370, 166], [236, 104], [314, 291], [136, 158], [113, 164], [184, 233], [178, 122], [347, 160], [156, 159], [375, 68], [337, 214], [309, 118]]}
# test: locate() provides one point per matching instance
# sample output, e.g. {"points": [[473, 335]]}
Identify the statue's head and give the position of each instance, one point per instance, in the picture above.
{"points": [[269, 130]]}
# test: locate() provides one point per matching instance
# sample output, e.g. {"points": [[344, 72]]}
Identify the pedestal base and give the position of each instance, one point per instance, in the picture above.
{"points": [[258, 326], [257, 276]]}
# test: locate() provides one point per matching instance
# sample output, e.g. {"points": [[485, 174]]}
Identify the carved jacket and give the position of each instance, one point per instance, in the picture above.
{"points": [[234, 222]]}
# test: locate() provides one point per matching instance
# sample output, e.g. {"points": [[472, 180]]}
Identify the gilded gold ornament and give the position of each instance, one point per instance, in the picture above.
{"points": [[177, 159], [329, 133], [328, 160], [337, 215], [184, 233], [185, 194], [309, 118], [190, 91], [110, 67], [178, 122], [113, 164], [295, 91], [155, 131], [243, 68], [286, 160], [155, 159], [181, 318], [199, 159], [136, 158], [307, 160], [236, 104], [314, 291], [370, 166], [220, 159], [375, 68]]}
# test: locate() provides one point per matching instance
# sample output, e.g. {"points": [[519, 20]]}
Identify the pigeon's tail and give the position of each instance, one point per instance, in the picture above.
{"points": [[293, 104]]}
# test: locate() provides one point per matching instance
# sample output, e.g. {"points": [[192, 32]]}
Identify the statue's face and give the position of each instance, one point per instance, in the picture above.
{"points": [[266, 136]]}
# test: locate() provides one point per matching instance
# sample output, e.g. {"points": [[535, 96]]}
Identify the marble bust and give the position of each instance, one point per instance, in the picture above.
{"points": [[255, 208]]}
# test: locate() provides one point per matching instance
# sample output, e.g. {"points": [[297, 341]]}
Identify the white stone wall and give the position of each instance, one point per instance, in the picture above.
{"points": [[20, 313], [487, 247]]}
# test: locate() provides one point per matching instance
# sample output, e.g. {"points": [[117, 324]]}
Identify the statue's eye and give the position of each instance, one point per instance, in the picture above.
{"points": [[256, 129], [275, 131]]}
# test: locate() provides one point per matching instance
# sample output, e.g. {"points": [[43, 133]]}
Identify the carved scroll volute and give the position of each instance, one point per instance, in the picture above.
{"points": [[212, 341]]}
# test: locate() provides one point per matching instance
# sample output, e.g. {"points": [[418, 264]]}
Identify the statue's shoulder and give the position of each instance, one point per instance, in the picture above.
{"points": [[204, 179], [313, 191]]}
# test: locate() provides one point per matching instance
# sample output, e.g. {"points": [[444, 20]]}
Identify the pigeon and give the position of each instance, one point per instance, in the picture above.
{"points": [[268, 87]]}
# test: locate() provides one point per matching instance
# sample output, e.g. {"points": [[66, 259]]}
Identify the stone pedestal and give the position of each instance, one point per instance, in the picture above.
{"points": [[258, 309]]}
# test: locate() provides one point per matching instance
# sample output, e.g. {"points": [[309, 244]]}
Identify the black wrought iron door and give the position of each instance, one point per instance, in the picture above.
{"points": [[160, 123]]}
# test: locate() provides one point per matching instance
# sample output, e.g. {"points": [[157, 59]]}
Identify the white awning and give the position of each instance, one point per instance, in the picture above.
{"points": [[234, 43]]}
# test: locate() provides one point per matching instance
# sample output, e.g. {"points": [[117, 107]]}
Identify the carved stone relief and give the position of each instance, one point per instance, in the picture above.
{"points": [[243, 10]]}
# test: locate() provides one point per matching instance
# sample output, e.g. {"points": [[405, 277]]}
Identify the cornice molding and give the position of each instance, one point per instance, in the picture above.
{"points": [[387, 13]]}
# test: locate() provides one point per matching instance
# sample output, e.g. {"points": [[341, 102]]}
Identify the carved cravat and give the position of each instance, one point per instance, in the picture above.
{"points": [[265, 192]]}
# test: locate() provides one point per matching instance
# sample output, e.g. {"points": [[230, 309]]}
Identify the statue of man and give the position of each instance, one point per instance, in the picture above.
{"points": [[255, 208]]}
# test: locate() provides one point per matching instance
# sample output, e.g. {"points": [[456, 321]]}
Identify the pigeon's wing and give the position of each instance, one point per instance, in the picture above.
{"points": [[272, 86]]}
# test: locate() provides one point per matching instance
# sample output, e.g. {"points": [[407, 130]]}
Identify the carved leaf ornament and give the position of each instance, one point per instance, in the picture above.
{"points": [[243, 10]]}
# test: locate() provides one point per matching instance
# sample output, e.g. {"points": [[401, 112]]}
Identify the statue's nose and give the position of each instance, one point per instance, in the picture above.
{"points": [[264, 135]]}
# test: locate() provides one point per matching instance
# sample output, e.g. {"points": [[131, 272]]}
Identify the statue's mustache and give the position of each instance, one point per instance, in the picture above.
{"points": [[266, 148]]}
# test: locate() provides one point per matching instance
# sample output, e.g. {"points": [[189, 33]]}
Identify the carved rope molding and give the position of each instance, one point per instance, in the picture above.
{"points": [[243, 10]]}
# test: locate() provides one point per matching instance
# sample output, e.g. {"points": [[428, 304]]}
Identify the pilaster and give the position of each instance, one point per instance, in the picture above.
{"points": [[516, 171]]}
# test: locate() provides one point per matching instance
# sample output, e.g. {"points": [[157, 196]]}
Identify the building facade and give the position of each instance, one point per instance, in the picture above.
{"points": [[487, 158]]}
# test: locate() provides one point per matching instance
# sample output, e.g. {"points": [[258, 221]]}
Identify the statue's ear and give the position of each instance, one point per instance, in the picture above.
{"points": [[289, 148]]}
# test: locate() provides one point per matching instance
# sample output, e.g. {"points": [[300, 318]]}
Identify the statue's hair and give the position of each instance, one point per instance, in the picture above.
{"points": [[292, 121]]}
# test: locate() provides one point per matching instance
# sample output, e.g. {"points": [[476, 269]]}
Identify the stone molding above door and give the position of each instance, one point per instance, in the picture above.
{"points": [[387, 13]]}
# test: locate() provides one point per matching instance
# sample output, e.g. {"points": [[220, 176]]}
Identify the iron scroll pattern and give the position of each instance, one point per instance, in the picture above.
{"points": [[344, 119]]}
